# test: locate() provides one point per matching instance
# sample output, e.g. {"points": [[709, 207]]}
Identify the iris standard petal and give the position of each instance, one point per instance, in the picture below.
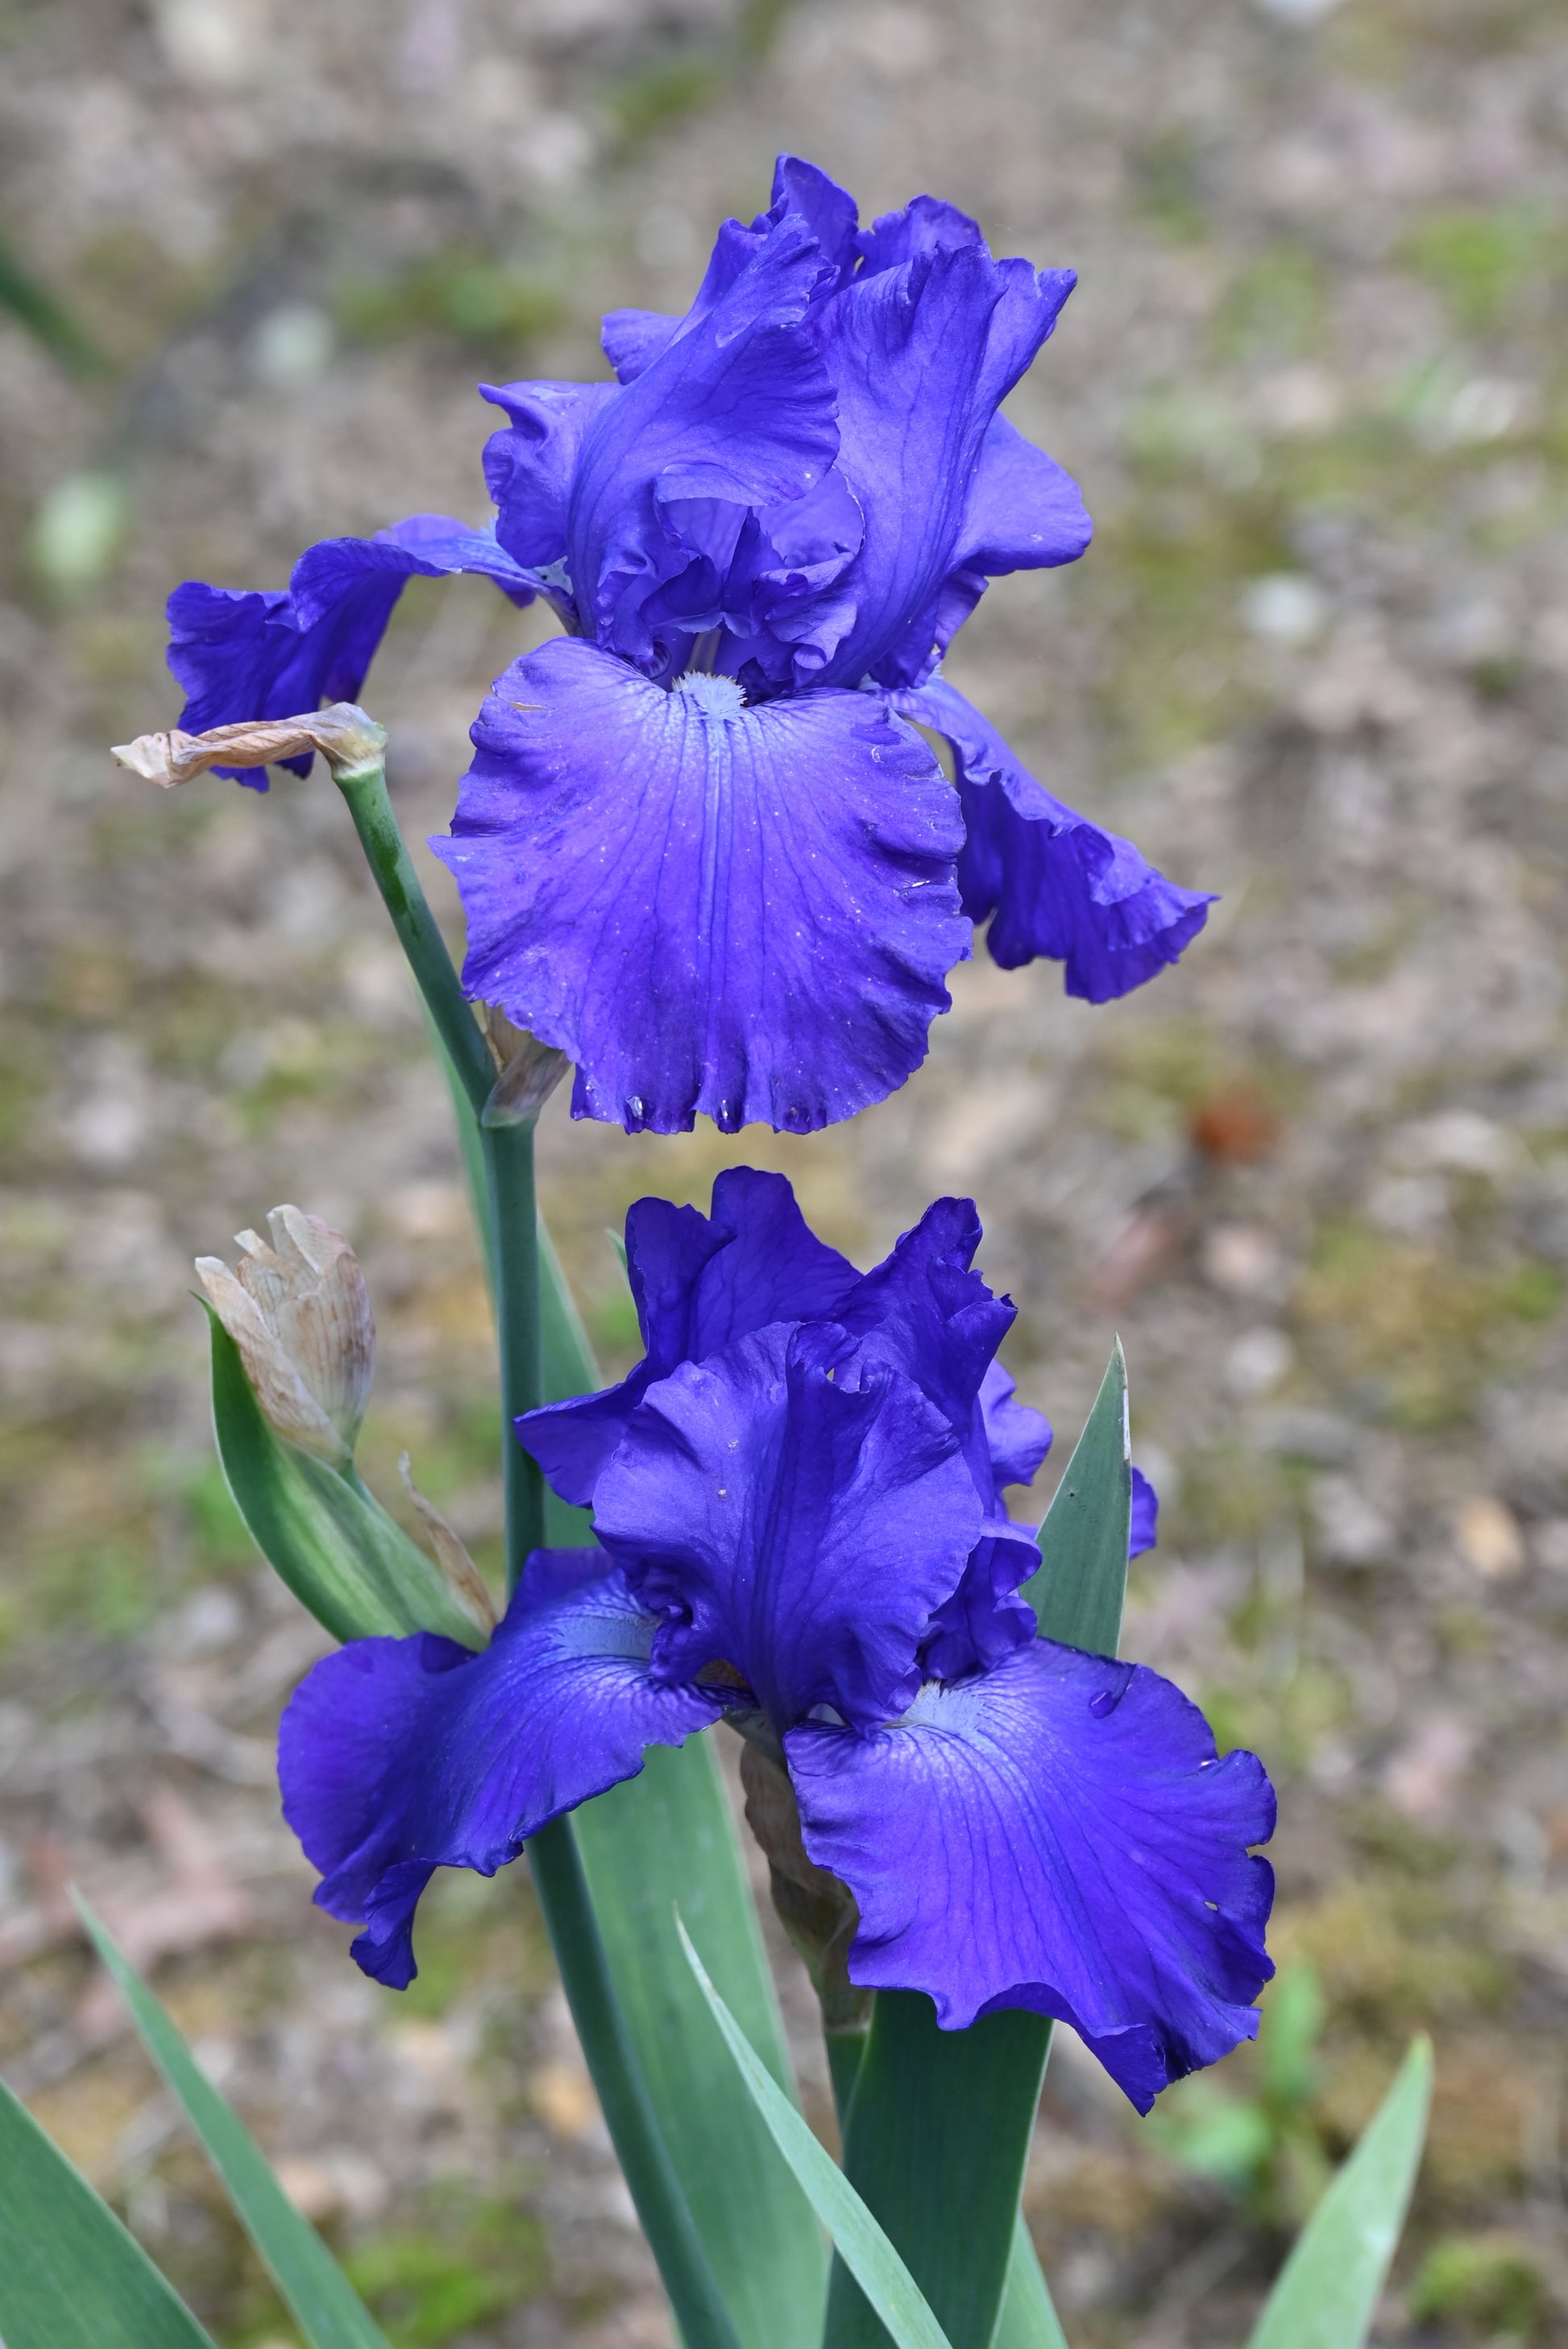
{"points": [[794, 1512], [1018, 1437], [1023, 511], [925, 224], [529, 465], [1060, 1835], [1143, 1526], [699, 1282], [633, 339], [742, 913], [400, 1756], [1053, 883], [925, 1312], [738, 412], [919, 355], [930, 1315], [240, 655]]}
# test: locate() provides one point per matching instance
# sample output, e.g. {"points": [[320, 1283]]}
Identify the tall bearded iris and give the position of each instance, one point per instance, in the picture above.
{"points": [[702, 847], [795, 1497]]}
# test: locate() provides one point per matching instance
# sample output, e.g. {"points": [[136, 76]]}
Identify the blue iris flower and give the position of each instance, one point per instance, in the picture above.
{"points": [[796, 1502], [702, 847]]}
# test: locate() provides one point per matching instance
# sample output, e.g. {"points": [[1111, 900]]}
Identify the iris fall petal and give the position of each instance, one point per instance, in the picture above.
{"points": [[1057, 1835]]}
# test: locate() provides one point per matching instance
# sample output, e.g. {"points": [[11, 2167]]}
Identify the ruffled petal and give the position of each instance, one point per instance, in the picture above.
{"points": [[1053, 883], [736, 412], [928, 1314], [275, 654], [528, 465], [1018, 1435], [745, 913], [921, 353], [699, 1283], [984, 1619], [1143, 1527], [633, 339], [1057, 1835], [794, 1512], [925, 224], [1023, 511], [400, 1756]]}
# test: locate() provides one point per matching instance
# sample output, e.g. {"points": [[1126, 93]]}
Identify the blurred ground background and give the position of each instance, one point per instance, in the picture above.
{"points": [[254, 255]]}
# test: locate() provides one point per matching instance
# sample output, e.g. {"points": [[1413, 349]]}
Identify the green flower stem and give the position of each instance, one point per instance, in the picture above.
{"points": [[514, 1228], [846, 2052], [704, 2322], [405, 899], [556, 1867]]}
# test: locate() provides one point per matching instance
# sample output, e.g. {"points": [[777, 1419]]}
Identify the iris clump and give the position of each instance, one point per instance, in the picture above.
{"points": [[705, 848], [796, 1501]]}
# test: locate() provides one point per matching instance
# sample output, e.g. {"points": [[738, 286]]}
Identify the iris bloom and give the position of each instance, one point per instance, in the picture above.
{"points": [[795, 1496], [703, 848]]}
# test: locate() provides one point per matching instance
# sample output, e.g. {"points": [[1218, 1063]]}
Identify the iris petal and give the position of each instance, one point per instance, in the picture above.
{"points": [[529, 465], [1057, 1835], [1053, 883], [400, 1756], [244, 654], [1143, 1527], [745, 916], [796, 1512], [1018, 1437], [1023, 511], [921, 353], [634, 339], [699, 1283], [737, 411]]}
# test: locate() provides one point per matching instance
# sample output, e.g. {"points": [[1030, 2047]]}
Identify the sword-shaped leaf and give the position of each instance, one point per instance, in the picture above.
{"points": [[866, 2251], [1326, 2295], [324, 2304], [70, 2275]]}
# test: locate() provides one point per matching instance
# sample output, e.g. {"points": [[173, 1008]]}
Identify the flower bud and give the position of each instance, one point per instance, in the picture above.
{"points": [[299, 1312], [448, 1548], [351, 744]]}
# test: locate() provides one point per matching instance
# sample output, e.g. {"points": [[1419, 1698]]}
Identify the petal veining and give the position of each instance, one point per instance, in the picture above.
{"points": [[400, 1756], [746, 917], [1057, 1835], [794, 1510]]}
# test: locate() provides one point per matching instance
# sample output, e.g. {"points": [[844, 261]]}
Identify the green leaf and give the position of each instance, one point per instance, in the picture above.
{"points": [[665, 1840], [941, 2119], [1326, 2293], [939, 2133], [1082, 1581], [70, 2275], [334, 1545], [877, 2268], [324, 2304], [1028, 2318]]}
